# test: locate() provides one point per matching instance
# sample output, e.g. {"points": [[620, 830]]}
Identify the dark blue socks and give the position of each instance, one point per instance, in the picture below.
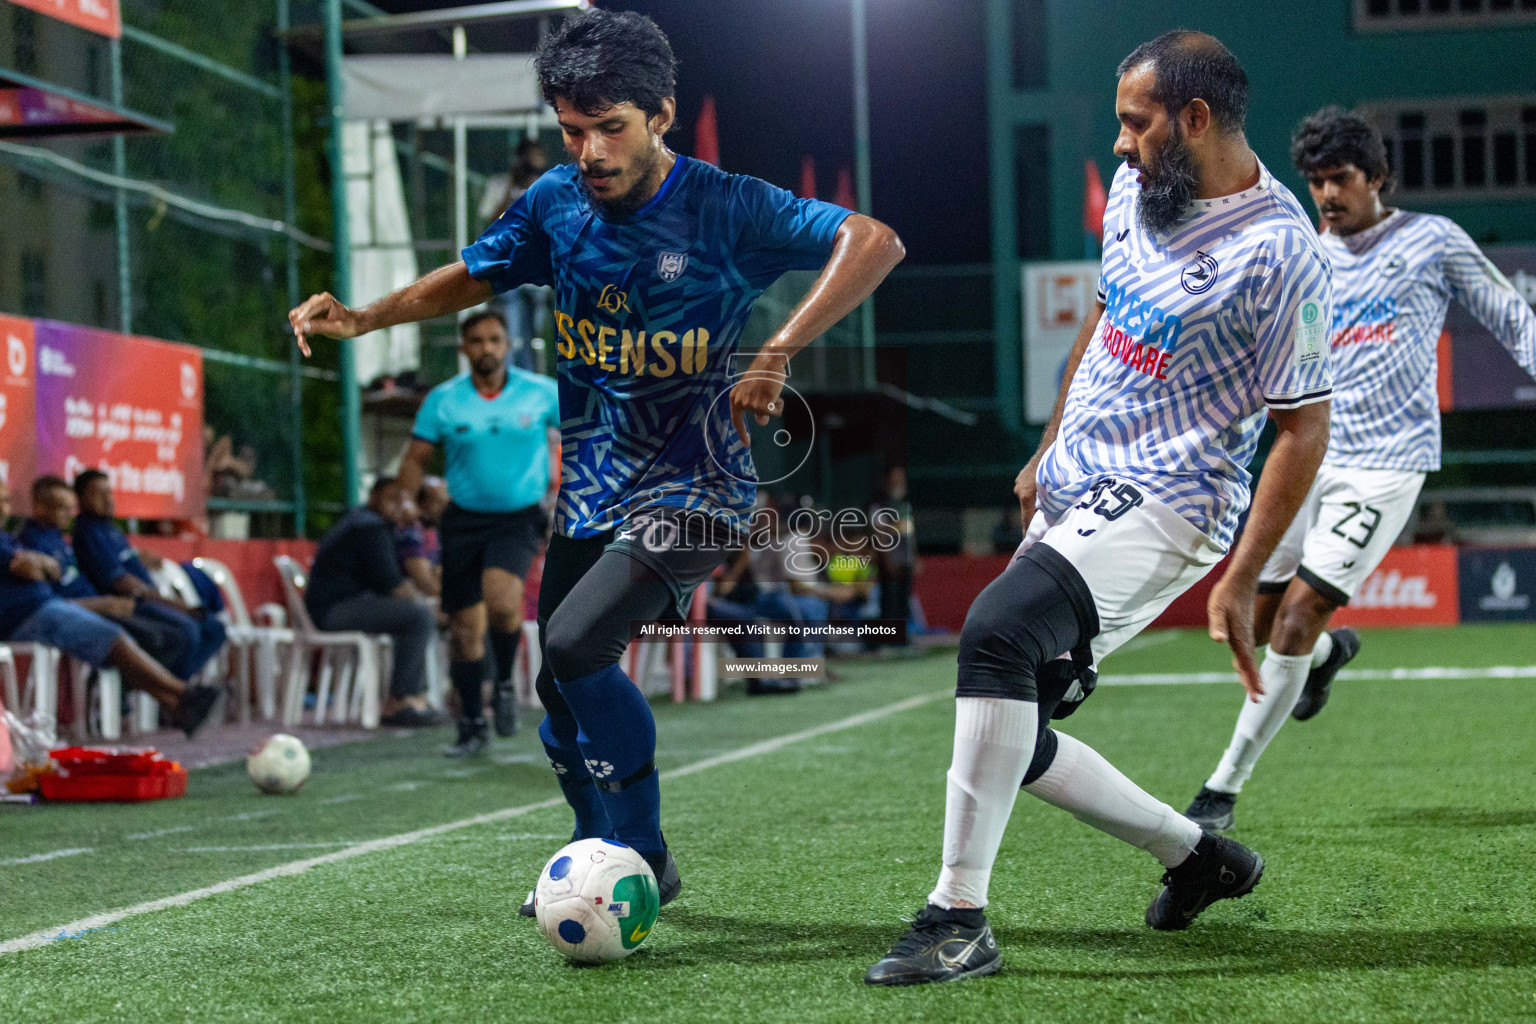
{"points": [[559, 736], [617, 737]]}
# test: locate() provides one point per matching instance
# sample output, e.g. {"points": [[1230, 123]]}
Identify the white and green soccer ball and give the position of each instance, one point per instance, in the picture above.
{"points": [[596, 900], [278, 764]]}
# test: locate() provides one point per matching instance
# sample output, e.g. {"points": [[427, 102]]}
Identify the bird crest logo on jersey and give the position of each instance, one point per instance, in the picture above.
{"points": [[670, 265], [612, 300], [1199, 276], [1395, 265]]}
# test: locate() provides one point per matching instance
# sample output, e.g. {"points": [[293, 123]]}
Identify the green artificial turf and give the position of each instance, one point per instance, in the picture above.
{"points": [[1397, 827]]}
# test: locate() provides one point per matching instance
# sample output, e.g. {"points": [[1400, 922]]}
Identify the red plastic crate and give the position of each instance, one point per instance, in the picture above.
{"points": [[115, 788], [110, 761], [88, 774]]}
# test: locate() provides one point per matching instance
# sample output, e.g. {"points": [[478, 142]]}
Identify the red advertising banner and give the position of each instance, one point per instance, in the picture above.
{"points": [[131, 407], [18, 418], [1413, 586], [99, 16]]}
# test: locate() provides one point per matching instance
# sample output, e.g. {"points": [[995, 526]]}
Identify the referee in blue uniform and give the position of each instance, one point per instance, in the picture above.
{"points": [[493, 425]]}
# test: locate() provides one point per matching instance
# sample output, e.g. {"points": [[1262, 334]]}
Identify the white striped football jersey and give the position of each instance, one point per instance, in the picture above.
{"points": [[1204, 327], [1391, 286]]}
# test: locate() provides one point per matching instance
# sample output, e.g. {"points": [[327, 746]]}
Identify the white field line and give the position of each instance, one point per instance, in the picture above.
{"points": [[1151, 638], [342, 799], [157, 833], [1364, 674], [298, 867], [267, 846], [38, 858]]}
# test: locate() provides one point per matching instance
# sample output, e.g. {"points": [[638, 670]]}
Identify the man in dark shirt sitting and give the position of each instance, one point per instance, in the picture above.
{"points": [[356, 584], [53, 509], [111, 565], [30, 612]]}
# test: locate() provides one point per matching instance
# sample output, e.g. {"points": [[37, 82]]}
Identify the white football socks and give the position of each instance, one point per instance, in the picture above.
{"points": [[994, 741], [1283, 677], [1093, 791], [1323, 649]]}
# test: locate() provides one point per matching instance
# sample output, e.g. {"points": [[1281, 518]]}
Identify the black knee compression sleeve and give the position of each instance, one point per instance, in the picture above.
{"points": [[549, 693], [1037, 609]]}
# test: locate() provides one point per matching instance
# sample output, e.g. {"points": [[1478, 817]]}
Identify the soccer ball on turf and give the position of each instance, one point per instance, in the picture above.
{"points": [[596, 900], [278, 764]]}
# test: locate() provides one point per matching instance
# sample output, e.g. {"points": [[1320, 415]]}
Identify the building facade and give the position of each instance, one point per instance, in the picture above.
{"points": [[1450, 83]]}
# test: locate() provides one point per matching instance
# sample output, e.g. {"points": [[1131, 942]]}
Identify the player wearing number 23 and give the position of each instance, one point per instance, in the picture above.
{"points": [[1394, 274]]}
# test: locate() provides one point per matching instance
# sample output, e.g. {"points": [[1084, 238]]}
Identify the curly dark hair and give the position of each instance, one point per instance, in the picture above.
{"points": [[1333, 137], [602, 58], [1187, 66]]}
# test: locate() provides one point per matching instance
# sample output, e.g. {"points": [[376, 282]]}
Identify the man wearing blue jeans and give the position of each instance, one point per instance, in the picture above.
{"points": [[31, 613], [53, 510], [111, 565]]}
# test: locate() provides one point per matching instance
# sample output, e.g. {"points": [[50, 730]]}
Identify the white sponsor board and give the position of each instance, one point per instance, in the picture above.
{"points": [[1056, 296]]}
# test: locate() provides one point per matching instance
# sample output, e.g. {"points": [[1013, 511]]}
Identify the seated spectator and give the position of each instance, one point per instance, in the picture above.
{"points": [[53, 510], [896, 563], [411, 551], [1435, 525], [30, 612], [356, 584], [431, 503], [111, 565]]}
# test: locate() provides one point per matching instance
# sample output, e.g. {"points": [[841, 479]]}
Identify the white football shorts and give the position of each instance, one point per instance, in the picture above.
{"points": [[1343, 530], [1135, 553]]}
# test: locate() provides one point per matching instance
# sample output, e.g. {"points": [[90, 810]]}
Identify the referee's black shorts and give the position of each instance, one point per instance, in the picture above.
{"points": [[476, 541]]}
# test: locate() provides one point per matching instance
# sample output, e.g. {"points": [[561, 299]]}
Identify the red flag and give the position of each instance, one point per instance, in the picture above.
{"points": [[807, 177], [1094, 200], [706, 141], [844, 196]]}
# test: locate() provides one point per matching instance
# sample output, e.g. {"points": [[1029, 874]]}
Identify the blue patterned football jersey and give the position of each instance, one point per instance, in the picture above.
{"points": [[649, 309]]}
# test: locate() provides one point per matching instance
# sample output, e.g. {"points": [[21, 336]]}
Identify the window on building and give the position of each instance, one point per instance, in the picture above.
{"points": [[99, 303], [34, 284], [24, 40], [1455, 148], [1029, 44], [1385, 15], [1032, 185]]}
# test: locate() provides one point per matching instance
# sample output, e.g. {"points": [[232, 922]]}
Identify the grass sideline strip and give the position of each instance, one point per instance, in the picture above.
{"points": [[298, 867], [1356, 675]]}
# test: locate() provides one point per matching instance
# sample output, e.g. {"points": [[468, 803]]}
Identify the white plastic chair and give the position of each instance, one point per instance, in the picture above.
{"points": [[358, 661], [248, 642], [109, 698], [38, 706]]}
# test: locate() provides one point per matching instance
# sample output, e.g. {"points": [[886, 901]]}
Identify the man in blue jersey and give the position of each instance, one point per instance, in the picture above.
{"points": [[54, 506], [1394, 274], [1213, 301], [31, 611], [493, 423], [656, 261], [111, 565]]}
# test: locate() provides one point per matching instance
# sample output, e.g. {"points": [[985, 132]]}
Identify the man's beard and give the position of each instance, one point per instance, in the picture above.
{"points": [[1169, 191], [486, 366], [627, 203]]}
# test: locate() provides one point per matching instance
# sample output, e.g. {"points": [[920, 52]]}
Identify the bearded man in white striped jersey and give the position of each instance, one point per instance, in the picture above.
{"points": [[1213, 310], [1394, 274]]}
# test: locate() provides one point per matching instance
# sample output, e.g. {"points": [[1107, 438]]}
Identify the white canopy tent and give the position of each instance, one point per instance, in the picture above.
{"points": [[464, 90]]}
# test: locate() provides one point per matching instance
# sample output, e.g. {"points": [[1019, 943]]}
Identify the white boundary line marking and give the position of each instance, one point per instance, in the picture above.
{"points": [[157, 833], [38, 858], [1428, 672], [298, 867]]}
